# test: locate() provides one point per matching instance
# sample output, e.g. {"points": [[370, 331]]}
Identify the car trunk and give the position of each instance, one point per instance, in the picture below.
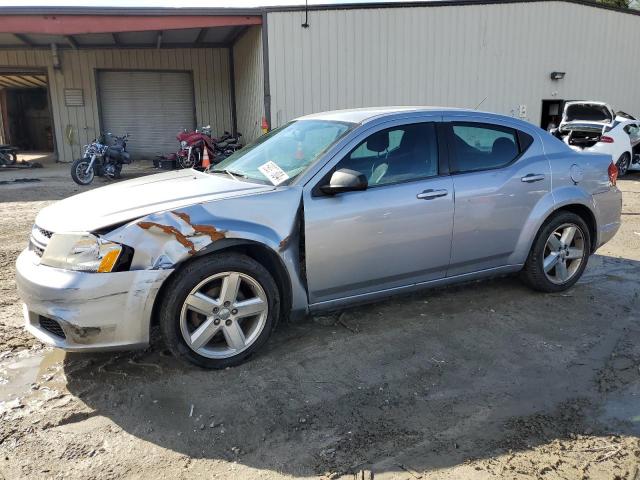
{"points": [[583, 124], [582, 135]]}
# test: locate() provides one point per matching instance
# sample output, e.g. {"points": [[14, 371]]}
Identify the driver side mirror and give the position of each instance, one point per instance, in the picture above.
{"points": [[345, 180]]}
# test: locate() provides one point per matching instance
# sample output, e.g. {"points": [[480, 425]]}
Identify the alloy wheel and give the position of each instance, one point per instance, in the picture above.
{"points": [[563, 253], [223, 315]]}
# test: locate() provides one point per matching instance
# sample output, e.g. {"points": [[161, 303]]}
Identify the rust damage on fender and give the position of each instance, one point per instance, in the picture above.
{"points": [[169, 230], [213, 233], [284, 243], [185, 236]]}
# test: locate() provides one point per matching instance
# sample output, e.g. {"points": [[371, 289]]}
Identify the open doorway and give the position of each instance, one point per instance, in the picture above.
{"points": [[551, 113], [25, 114]]}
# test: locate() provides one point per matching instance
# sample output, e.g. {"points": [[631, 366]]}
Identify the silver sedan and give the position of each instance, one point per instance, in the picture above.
{"points": [[327, 211]]}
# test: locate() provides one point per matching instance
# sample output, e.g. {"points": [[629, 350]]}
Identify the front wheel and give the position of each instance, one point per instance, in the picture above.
{"points": [[559, 254], [187, 161], [219, 310], [623, 164], [80, 171]]}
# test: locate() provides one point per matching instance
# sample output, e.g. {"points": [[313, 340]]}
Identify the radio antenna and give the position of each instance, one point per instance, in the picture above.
{"points": [[476, 107]]}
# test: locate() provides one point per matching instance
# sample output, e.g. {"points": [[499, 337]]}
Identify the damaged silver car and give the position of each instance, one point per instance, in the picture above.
{"points": [[327, 211]]}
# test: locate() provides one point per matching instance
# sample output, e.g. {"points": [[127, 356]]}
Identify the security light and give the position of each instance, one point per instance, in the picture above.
{"points": [[557, 75]]}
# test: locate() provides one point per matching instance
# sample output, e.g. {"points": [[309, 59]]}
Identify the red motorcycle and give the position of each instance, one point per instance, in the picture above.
{"points": [[192, 145]]}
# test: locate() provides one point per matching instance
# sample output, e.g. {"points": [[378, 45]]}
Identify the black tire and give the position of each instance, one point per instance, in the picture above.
{"points": [[533, 273], [8, 158], [190, 161], [186, 279], [76, 172], [623, 164]]}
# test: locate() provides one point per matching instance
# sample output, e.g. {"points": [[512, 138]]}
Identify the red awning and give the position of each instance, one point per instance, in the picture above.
{"points": [[79, 24]]}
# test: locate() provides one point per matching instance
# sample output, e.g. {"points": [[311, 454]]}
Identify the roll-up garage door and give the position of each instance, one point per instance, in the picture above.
{"points": [[151, 106]]}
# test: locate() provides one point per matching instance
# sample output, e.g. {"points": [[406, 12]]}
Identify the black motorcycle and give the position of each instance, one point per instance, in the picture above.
{"points": [[226, 145], [101, 159]]}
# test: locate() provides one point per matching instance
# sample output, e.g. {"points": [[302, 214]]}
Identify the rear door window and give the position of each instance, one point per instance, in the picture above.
{"points": [[479, 146]]}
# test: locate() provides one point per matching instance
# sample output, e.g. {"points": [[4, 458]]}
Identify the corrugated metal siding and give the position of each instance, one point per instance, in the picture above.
{"points": [[152, 106], [76, 126], [248, 71], [452, 56]]}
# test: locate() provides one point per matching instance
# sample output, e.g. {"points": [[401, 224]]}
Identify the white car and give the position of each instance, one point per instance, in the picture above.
{"points": [[588, 126]]}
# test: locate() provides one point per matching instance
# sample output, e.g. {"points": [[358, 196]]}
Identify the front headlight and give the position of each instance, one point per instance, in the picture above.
{"points": [[83, 252], [183, 144]]}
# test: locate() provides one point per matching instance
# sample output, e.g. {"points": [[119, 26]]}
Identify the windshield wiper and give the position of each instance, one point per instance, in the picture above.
{"points": [[230, 173]]}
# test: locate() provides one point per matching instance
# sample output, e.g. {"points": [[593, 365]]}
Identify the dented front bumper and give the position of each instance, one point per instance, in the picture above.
{"points": [[79, 311]]}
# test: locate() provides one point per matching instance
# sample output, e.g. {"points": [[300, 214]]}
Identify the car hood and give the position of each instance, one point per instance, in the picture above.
{"points": [[125, 201]]}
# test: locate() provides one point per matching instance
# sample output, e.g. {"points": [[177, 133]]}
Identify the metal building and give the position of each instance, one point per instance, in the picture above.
{"points": [[68, 73]]}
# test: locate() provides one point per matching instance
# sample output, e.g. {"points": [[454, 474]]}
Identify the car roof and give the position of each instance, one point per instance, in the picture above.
{"points": [[364, 115], [361, 115]]}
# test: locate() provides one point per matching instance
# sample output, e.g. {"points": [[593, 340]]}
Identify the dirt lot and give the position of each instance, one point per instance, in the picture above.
{"points": [[485, 380]]}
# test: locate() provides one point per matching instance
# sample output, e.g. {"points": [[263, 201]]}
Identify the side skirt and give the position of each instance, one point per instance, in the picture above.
{"points": [[382, 294]]}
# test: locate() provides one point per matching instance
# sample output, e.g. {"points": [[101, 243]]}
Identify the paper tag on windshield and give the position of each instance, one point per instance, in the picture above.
{"points": [[273, 172]]}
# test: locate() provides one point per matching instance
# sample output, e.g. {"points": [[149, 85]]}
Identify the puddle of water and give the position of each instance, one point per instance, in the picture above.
{"points": [[18, 373], [624, 406]]}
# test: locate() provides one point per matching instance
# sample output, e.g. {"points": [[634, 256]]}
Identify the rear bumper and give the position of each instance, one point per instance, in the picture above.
{"points": [[79, 311], [608, 208]]}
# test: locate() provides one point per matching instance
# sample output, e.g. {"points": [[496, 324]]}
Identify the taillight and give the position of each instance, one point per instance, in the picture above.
{"points": [[613, 173], [606, 139]]}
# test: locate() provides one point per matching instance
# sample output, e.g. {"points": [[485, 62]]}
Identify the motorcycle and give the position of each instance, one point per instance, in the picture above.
{"points": [[101, 159], [227, 145], [192, 145]]}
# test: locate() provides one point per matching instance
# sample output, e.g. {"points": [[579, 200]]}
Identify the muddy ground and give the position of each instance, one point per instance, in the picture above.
{"points": [[484, 380]]}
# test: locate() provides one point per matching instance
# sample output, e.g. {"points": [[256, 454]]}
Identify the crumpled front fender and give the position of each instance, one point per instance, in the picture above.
{"points": [[165, 239]]}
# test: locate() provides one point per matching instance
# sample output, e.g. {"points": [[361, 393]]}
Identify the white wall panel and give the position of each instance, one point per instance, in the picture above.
{"points": [[249, 86], [452, 56]]}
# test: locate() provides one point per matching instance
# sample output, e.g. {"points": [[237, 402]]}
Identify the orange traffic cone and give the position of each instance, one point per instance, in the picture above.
{"points": [[265, 125], [206, 162]]}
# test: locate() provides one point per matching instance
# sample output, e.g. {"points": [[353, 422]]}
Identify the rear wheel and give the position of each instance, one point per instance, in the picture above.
{"points": [[80, 172], [623, 164], [219, 310], [559, 254], [117, 173]]}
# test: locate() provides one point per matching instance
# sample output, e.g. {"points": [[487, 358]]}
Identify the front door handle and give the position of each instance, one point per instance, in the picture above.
{"points": [[532, 177], [431, 194]]}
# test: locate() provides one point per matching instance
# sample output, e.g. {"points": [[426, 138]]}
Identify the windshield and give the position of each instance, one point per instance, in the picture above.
{"points": [[284, 153], [587, 112]]}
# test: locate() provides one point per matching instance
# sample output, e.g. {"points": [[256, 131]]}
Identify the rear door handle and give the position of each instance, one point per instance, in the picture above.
{"points": [[532, 177], [431, 194]]}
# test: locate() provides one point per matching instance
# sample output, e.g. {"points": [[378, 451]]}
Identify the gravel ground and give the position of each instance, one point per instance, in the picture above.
{"points": [[483, 380]]}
